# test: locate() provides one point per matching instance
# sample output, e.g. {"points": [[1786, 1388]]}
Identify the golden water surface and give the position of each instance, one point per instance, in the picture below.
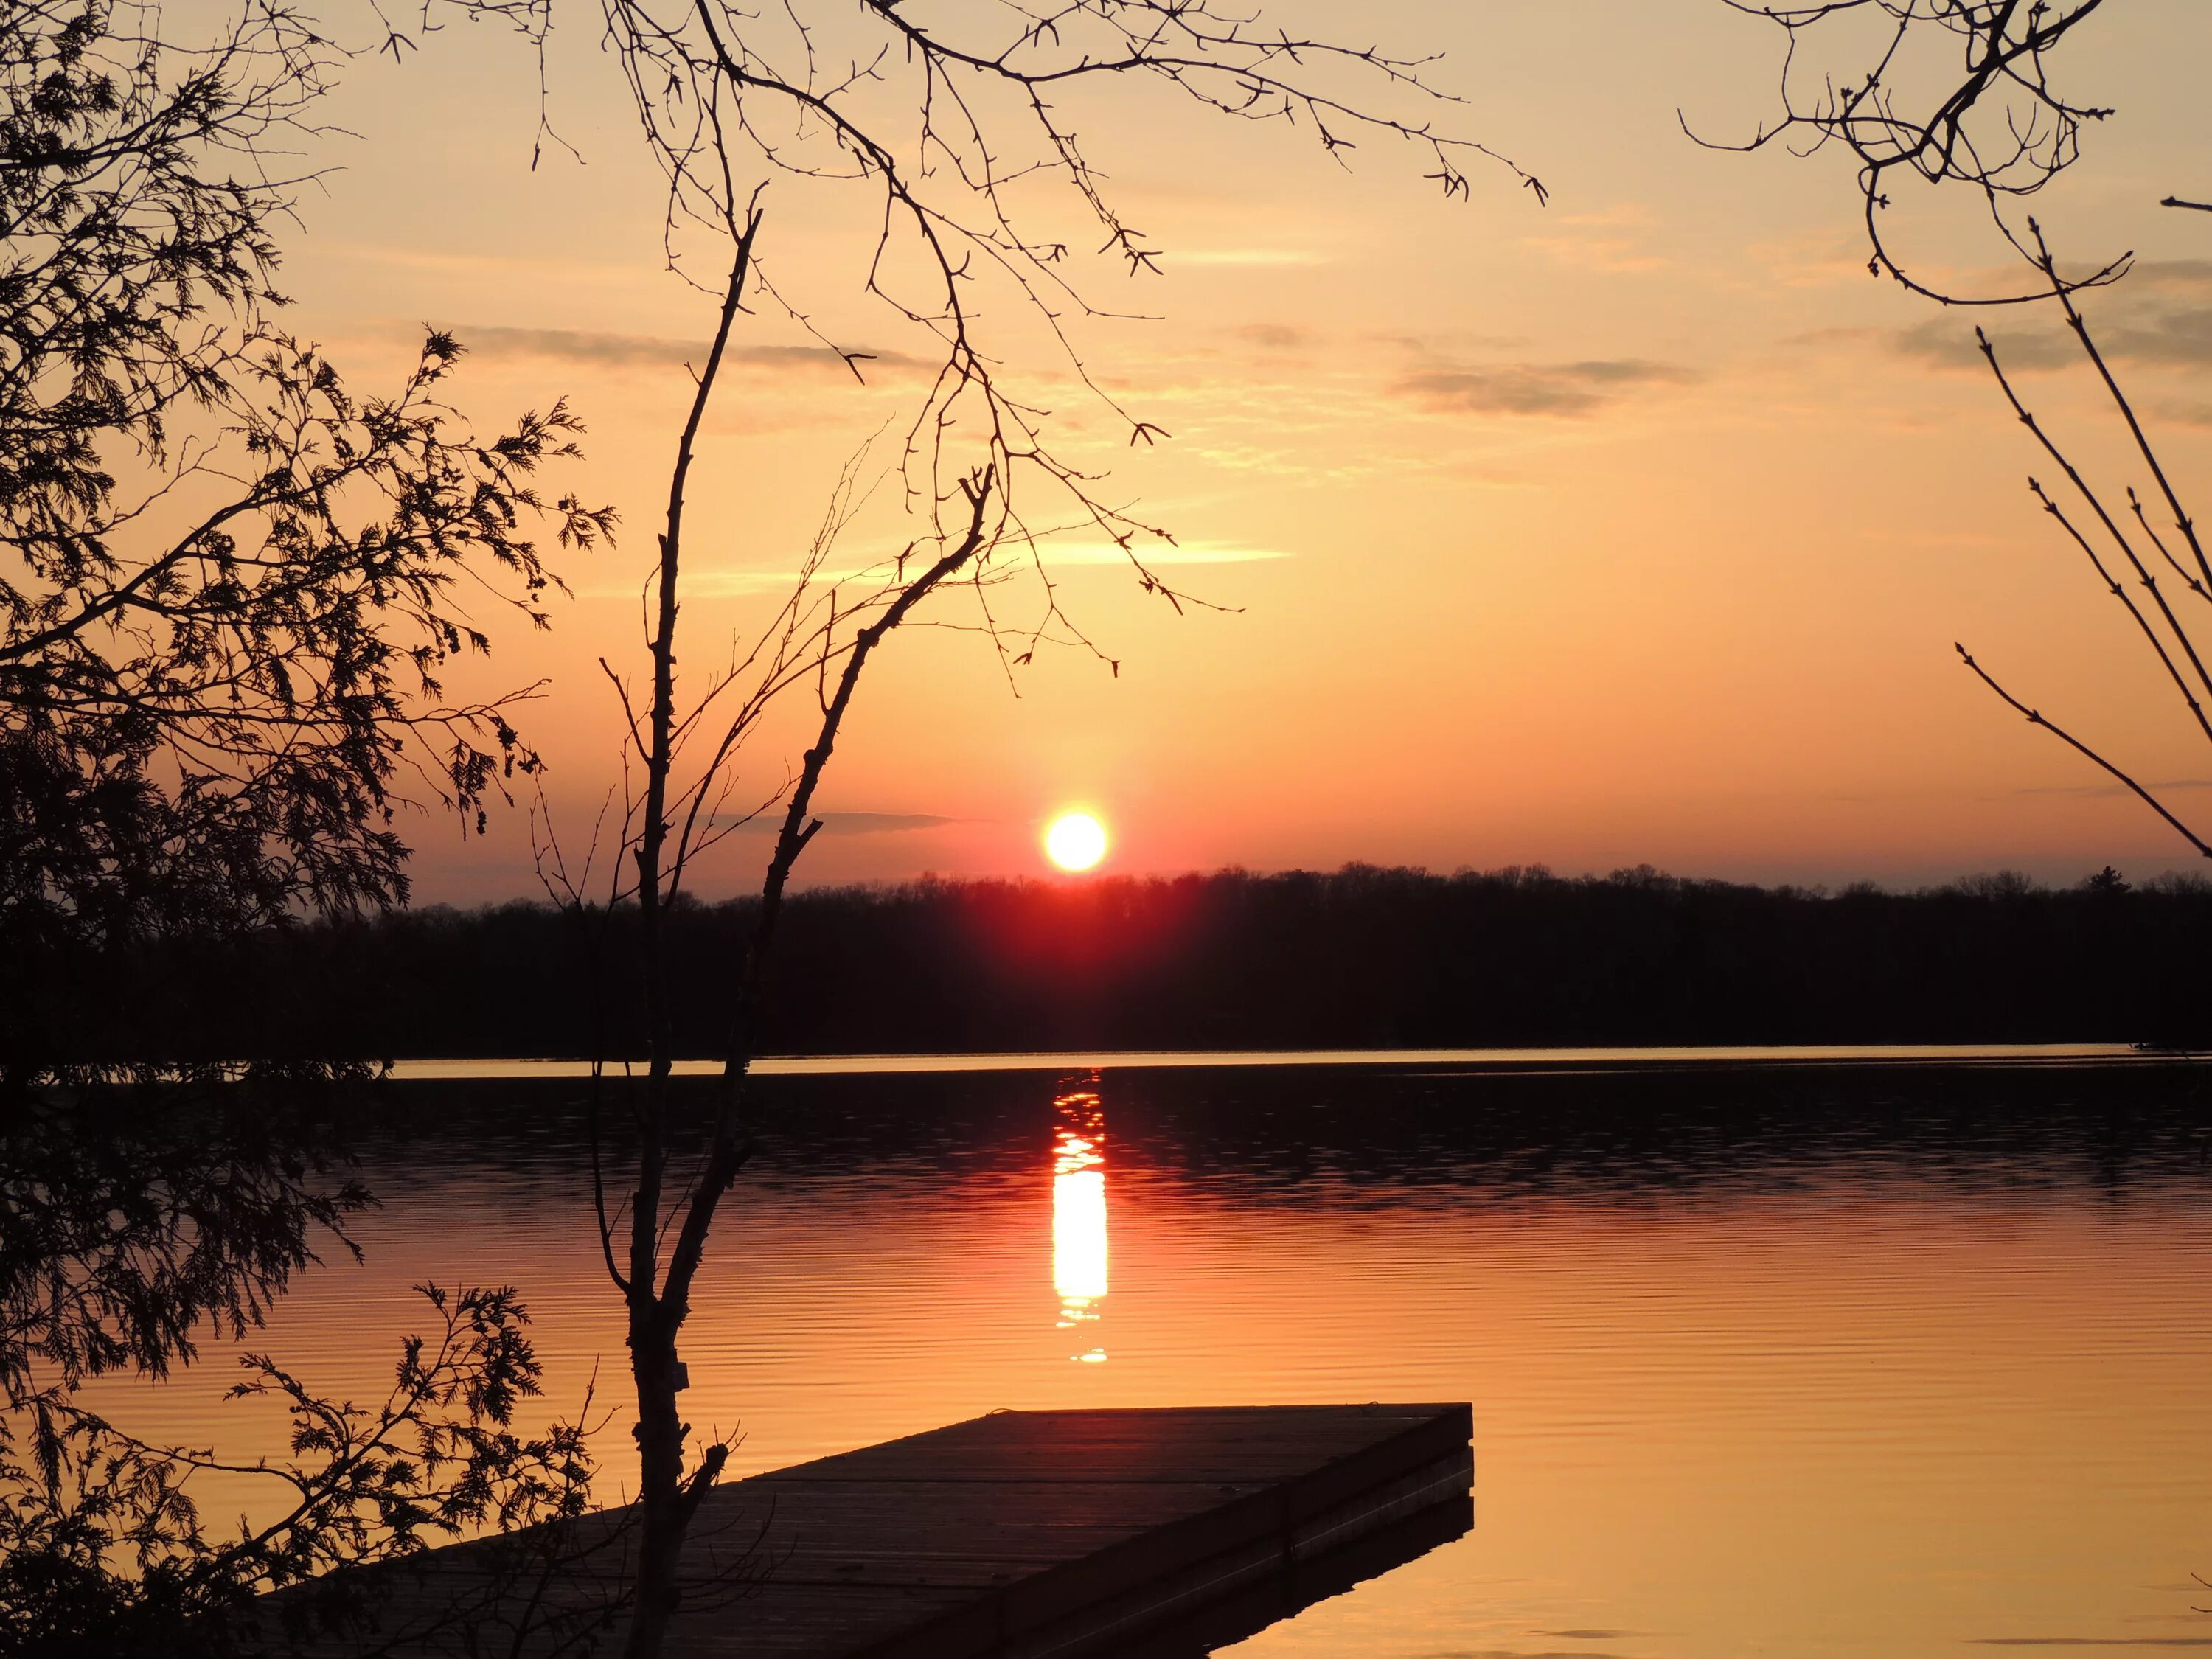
{"points": [[1769, 1383]]}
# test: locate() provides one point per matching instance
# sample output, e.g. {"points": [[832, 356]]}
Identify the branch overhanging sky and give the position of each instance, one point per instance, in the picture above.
{"points": [[1635, 528]]}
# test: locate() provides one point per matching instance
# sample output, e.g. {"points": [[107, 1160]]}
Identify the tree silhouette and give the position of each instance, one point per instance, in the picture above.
{"points": [[953, 125], [1994, 121], [229, 586], [1940, 92]]}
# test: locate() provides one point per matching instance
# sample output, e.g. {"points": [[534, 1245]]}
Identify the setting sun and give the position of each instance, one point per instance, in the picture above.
{"points": [[1075, 840]]}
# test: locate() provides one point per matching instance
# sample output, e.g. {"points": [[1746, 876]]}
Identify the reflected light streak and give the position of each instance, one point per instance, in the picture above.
{"points": [[1078, 1214]]}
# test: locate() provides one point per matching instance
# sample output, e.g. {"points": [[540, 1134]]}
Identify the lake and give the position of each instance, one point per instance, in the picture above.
{"points": [[1766, 1359]]}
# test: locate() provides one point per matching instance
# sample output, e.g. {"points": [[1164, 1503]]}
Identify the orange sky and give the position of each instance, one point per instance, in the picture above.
{"points": [[1633, 528]]}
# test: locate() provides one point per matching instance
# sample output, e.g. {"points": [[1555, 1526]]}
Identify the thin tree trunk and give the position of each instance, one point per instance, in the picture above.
{"points": [[654, 1317]]}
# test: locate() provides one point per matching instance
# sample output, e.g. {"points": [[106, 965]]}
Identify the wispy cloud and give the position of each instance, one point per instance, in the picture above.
{"points": [[2193, 276], [2096, 790], [737, 584], [1569, 390], [705, 584], [1160, 554], [2091, 1641], [2178, 338], [1243, 256], [627, 351], [1272, 337], [1945, 343], [853, 824], [509, 268], [1825, 257], [1609, 254], [1611, 239], [2160, 315], [1590, 1635]]}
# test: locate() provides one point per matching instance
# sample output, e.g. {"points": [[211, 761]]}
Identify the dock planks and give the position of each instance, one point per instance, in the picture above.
{"points": [[1055, 1535]]}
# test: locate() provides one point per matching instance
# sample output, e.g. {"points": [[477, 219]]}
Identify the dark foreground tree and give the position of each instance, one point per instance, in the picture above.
{"points": [[228, 588], [104, 1550]]}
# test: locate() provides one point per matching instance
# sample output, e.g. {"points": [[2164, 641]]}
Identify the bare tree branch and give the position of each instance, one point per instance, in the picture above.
{"points": [[2034, 718], [1995, 123]]}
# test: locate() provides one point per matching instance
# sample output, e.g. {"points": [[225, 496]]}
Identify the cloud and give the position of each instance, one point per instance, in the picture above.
{"points": [[1614, 253], [1272, 337], [853, 824], [629, 350], [2160, 315], [1590, 1635], [1566, 390], [2094, 791], [1822, 258], [2186, 276], [1946, 343], [1243, 256], [1012, 556], [1611, 238], [1159, 554], [2180, 337], [2091, 1641], [733, 584], [508, 268]]}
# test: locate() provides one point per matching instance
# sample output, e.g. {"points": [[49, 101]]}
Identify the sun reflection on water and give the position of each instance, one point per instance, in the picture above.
{"points": [[1078, 1214]]}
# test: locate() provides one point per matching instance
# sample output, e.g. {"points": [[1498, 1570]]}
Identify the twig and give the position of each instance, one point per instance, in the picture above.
{"points": [[2034, 718]]}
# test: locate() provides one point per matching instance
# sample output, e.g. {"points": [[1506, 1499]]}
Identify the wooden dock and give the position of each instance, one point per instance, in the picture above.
{"points": [[1058, 1535]]}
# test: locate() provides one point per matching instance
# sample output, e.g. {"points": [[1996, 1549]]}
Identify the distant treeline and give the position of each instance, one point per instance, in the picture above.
{"points": [[1363, 958]]}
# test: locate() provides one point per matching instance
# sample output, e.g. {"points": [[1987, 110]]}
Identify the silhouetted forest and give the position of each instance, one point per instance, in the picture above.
{"points": [[1362, 957]]}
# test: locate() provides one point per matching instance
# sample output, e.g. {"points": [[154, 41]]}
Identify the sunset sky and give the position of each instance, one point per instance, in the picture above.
{"points": [[1636, 527]]}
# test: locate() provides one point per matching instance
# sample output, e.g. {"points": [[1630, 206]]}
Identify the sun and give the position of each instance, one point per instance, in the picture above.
{"points": [[1075, 840]]}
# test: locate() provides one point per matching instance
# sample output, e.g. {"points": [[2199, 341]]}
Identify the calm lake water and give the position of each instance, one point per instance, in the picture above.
{"points": [[1800, 1360]]}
